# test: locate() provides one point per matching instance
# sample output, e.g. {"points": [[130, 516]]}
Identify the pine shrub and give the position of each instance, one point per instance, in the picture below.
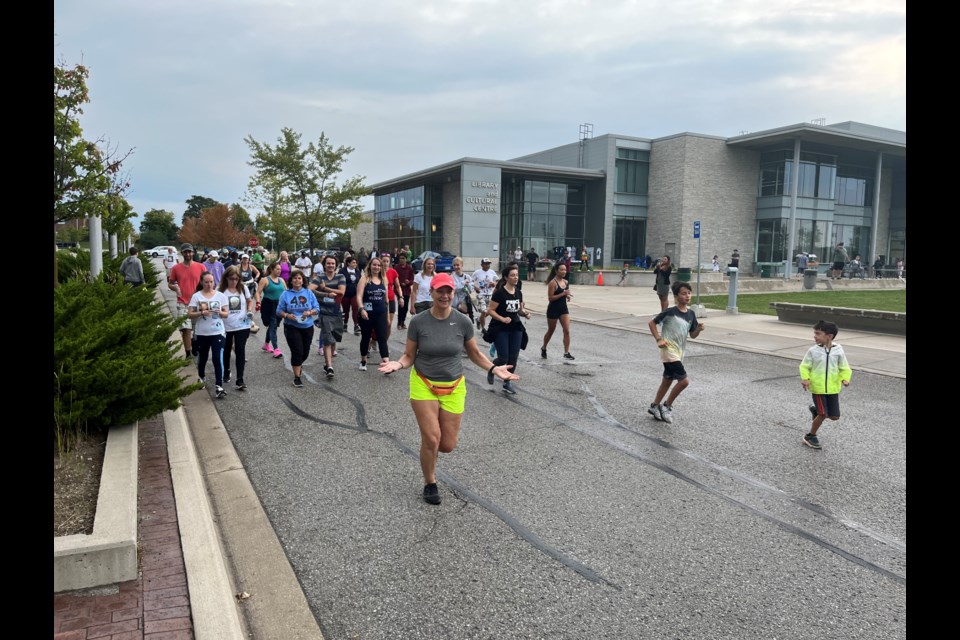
{"points": [[113, 362]]}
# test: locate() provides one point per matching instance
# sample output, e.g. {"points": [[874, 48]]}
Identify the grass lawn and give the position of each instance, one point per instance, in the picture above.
{"points": [[759, 302]]}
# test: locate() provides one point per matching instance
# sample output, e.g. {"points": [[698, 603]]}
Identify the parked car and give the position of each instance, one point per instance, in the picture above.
{"points": [[159, 252], [444, 260]]}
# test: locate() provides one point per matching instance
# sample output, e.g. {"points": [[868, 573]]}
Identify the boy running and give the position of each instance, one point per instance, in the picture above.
{"points": [[823, 370], [670, 329]]}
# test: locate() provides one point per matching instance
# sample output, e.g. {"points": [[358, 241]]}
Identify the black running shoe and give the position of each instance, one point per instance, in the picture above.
{"points": [[508, 388], [297, 382], [431, 495], [226, 376], [543, 352], [567, 356], [240, 385], [221, 393], [329, 373], [812, 441]]}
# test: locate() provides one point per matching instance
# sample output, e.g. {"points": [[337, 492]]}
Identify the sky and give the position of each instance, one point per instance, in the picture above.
{"points": [[411, 84]]}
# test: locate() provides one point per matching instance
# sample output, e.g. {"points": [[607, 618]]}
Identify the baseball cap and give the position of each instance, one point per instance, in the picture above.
{"points": [[186, 246], [485, 261], [442, 280], [213, 254]]}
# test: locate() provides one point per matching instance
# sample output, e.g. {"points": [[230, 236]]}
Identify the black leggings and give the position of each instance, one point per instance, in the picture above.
{"points": [[204, 345], [373, 322], [236, 340], [402, 311], [299, 342]]}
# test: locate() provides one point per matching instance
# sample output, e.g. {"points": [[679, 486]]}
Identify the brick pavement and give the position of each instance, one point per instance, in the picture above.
{"points": [[157, 605]]}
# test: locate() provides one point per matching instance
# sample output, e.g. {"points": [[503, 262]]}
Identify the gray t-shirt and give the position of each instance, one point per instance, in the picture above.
{"points": [[439, 344]]}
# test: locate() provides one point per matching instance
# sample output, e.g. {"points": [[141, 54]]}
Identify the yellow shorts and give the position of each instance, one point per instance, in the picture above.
{"points": [[451, 403]]}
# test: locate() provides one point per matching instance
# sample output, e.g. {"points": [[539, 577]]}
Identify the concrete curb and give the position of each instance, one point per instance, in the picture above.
{"points": [[277, 607], [109, 554], [212, 603]]}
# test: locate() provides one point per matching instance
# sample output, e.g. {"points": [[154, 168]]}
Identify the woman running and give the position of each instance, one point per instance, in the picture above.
{"points": [[464, 285], [437, 390], [506, 307], [420, 290], [558, 292], [372, 292]]}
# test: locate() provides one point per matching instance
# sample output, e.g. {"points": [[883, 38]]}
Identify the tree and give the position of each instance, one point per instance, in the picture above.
{"points": [[195, 205], [83, 171], [303, 183], [157, 228], [214, 228], [241, 219]]}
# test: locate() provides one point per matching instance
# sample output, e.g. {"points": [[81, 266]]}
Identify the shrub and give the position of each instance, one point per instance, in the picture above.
{"points": [[113, 362]]}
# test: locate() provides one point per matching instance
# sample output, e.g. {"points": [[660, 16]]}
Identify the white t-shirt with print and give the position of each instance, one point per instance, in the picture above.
{"points": [[213, 324]]}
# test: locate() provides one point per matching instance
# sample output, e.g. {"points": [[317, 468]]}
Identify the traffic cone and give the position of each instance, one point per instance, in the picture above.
{"points": [[600, 279]]}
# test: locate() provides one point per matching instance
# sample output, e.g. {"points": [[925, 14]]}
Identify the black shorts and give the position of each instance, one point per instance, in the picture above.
{"points": [[392, 306], [674, 371], [827, 404], [838, 266]]}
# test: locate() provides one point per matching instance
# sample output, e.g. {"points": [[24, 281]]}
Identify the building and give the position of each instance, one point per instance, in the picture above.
{"points": [[625, 197]]}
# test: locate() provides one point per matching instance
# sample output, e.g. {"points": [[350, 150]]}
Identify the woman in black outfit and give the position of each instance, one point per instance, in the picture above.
{"points": [[558, 292], [505, 309], [372, 293]]}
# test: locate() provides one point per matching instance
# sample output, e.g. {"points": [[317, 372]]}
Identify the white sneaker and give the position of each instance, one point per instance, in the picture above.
{"points": [[363, 366], [666, 413]]}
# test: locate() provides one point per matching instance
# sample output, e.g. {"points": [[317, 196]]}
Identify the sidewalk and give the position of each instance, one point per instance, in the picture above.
{"points": [[203, 535]]}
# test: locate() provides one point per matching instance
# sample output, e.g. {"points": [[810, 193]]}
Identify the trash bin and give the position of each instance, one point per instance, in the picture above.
{"points": [[683, 274], [523, 270], [809, 278], [765, 270]]}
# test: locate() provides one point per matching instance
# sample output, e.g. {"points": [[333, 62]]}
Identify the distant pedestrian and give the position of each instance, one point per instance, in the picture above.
{"points": [[285, 267], [802, 262], [716, 264], [532, 259], [671, 328], [823, 371], [623, 273], [518, 255], [169, 260], [662, 272], [840, 259], [878, 268], [132, 269], [214, 266], [900, 268], [438, 393]]}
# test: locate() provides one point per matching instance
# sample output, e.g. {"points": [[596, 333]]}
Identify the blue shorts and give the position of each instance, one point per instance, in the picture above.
{"points": [[674, 371], [827, 404]]}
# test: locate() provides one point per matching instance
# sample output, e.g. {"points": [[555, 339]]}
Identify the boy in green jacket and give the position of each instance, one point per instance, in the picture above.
{"points": [[823, 371]]}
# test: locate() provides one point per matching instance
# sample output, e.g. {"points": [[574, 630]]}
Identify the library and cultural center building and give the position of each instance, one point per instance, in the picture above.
{"points": [[769, 194]]}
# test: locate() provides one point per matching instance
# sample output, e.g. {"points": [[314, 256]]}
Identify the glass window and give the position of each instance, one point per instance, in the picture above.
{"points": [[628, 238], [771, 240], [632, 176]]}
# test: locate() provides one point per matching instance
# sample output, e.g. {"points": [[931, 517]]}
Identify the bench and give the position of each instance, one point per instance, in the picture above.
{"points": [[893, 322]]}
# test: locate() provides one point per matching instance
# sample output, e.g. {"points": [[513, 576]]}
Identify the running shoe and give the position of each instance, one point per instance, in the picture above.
{"points": [[666, 413], [277, 353], [221, 393], [266, 347], [329, 373], [226, 376], [812, 441], [567, 356], [654, 410], [356, 330], [240, 385], [431, 495], [813, 411], [508, 388], [363, 365], [297, 382], [543, 352]]}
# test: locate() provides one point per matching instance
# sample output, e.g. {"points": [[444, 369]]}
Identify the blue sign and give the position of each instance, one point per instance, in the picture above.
{"points": [[696, 228]]}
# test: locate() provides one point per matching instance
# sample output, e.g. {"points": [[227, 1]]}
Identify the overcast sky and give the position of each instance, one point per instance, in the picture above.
{"points": [[415, 83]]}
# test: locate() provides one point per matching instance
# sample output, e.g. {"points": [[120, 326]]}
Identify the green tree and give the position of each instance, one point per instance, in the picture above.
{"points": [[195, 205], [83, 171], [157, 227], [302, 182], [241, 219]]}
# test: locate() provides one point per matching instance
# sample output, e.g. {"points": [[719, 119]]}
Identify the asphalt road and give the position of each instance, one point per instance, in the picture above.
{"points": [[568, 512]]}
